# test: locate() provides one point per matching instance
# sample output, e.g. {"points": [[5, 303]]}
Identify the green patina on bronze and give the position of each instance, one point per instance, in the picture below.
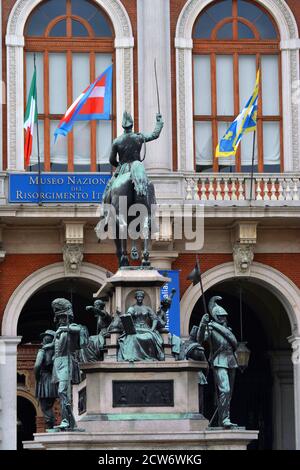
{"points": [[130, 180], [146, 344], [223, 344]]}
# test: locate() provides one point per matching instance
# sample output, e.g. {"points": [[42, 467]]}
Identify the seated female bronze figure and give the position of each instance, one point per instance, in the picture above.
{"points": [[144, 343]]}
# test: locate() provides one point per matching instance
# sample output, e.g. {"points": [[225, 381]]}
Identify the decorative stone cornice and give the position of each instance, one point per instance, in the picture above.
{"points": [[245, 233], [74, 232], [73, 247]]}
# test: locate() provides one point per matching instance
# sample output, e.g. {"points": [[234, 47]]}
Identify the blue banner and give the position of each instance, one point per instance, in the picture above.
{"points": [[173, 316], [57, 188]]}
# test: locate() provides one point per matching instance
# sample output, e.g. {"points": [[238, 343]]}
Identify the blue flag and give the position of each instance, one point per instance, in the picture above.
{"points": [[244, 123]]}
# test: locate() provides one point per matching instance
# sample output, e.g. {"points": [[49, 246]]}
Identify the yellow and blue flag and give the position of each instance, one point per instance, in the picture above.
{"points": [[244, 123]]}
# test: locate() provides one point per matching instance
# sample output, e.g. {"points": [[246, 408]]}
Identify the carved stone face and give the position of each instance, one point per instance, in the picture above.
{"points": [[243, 257], [73, 256]]}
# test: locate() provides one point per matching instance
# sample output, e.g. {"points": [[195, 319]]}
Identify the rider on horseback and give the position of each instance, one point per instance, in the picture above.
{"points": [[128, 147], [129, 180]]}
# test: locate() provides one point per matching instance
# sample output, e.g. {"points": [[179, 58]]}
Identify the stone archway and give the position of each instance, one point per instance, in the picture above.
{"points": [[34, 282], [289, 46], [283, 289], [10, 340], [124, 43]]}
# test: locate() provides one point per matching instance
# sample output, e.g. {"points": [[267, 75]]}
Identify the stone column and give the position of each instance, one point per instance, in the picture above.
{"points": [[2, 95], [184, 94], [163, 259], [124, 78], [15, 103], [295, 342], [8, 392], [283, 400], [290, 84], [153, 18]]}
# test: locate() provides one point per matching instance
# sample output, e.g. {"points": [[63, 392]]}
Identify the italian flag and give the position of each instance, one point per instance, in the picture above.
{"points": [[30, 119]]}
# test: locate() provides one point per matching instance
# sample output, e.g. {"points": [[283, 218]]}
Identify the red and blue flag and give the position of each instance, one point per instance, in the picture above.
{"points": [[94, 103]]}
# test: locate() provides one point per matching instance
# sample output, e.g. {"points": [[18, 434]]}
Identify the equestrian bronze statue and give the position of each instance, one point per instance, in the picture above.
{"points": [[128, 186]]}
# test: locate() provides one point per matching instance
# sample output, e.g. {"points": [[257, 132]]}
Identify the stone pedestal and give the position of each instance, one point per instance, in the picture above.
{"points": [[121, 287], [143, 406], [139, 396]]}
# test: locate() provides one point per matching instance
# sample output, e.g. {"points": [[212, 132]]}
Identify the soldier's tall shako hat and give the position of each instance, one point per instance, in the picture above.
{"points": [[62, 307], [127, 120], [215, 309], [47, 333]]}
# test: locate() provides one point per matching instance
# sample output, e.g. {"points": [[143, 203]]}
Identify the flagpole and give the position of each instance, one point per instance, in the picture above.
{"points": [[201, 287], [38, 138], [205, 313], [252, 167]]}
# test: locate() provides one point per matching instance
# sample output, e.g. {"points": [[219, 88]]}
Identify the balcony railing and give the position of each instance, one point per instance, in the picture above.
{"points": [[279, 189]]}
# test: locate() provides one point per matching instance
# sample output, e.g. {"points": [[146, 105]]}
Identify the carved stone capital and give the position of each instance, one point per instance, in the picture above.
{"points": [[164, 236], [74, 232], [245, 233], [295, 342], [73, 256], [242, 256]]}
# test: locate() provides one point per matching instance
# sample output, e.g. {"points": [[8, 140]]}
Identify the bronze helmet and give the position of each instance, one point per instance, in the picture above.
{"points": [[127, 121], [62, 307]]}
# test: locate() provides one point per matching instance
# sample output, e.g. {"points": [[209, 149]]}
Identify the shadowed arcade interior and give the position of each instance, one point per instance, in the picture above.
{"points": [[259, 316], [37, 315]]}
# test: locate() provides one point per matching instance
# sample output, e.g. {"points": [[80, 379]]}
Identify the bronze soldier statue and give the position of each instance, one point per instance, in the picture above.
{"points": [[223, 344], [129, 180], [69, 339], [46, 390], [93, 352]]}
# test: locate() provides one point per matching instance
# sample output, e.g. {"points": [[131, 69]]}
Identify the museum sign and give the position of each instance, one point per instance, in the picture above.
{"points": [[57, 187]]}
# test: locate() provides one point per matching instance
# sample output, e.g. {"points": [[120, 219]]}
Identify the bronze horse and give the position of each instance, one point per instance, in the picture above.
{"points": [[129, 186]]}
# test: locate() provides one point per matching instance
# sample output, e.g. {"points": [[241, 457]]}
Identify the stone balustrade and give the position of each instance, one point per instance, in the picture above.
{"points": [[236, 188]]}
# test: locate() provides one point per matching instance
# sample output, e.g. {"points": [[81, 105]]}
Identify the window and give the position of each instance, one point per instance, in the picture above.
{"points": [[72, 42], [231, 40]]}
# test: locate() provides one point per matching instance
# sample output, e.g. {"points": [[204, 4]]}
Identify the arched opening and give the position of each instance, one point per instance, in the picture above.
{"points": [[52, 35], [111, 22], [26, 421], [263, 396], [285, 23], [36, 315]]}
